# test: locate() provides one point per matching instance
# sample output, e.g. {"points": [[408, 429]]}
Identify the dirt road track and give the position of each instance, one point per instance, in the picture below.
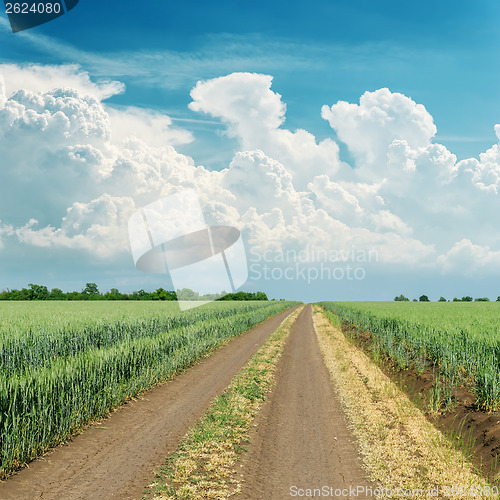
{"points": [[120, 458], [301, 438]]}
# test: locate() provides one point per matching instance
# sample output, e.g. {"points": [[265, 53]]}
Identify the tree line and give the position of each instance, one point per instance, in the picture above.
{"points": [[425, 298], [91, 292]]}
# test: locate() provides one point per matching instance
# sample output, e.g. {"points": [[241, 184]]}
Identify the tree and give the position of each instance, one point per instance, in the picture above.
{"points": [[498, 298], [482, 299], [57, 294], [162, 294], [401, 298], [23, 294], [140, 295], [442, 299], [90, 291], [423, 298], [243, 296], [39, 292], [113, 294], [467, 299]]}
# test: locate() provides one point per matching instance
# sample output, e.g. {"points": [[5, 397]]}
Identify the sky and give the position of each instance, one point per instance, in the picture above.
{"points": [[355, 144]]}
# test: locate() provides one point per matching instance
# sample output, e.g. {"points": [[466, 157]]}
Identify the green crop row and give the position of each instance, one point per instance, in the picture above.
{"points": [[459, 341], [48, 333], [54, 381]]}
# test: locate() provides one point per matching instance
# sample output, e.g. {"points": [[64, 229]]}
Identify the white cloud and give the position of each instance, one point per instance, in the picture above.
{"points": [[59, 116], [420, 182], [485, 172], [44, 78], [337, 200], [467, 258], [151, 127], [99, 227], [276, 216], [255, 180], [54, 146], [372, 126], [387, 221], [254, 114], [400, 182], [57, 144], [240, 100], [405, 197]]}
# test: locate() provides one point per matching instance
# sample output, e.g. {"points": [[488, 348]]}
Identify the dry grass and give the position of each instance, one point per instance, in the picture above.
{"points": [[203, 465], [400, 447]]}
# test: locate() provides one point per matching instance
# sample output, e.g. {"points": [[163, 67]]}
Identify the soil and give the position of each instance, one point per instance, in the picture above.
{"points": [[300, 438], [478, 430], [118, 457]]}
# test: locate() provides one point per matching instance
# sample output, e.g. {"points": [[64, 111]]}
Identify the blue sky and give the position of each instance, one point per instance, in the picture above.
{"points": [[442, 57]]}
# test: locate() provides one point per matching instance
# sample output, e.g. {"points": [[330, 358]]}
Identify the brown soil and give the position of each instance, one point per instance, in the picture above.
{"points": [[478, 430], [301, 437], [119, 456]]}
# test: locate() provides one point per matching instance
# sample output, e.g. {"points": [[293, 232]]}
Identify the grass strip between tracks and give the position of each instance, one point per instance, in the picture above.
{"points": [[204, 464], [401, 449]]}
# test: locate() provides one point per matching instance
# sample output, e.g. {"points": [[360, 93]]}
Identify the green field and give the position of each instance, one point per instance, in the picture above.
{"points": [[460, 341], [64, 364]]}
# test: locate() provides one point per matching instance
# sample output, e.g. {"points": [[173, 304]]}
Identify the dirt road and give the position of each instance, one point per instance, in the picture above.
{"points": [[301, 439], [117, 458]]}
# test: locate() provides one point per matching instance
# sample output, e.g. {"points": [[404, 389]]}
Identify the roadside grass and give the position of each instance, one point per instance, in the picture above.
{"points": [[400, 448], [203, 465]]}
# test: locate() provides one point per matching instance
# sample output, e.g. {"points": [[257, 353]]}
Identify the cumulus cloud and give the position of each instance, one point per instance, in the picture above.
{"points": [[467, 258], [254, 114], [381, 117], [241, 100], [62, 144], [35, 124], [146, 172], [83, 167], [337, 199], [256, 193], [427, 192], [390, 136], [99, 226], [256, 180], [358, 205], [53, 146], [485, 172]]}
